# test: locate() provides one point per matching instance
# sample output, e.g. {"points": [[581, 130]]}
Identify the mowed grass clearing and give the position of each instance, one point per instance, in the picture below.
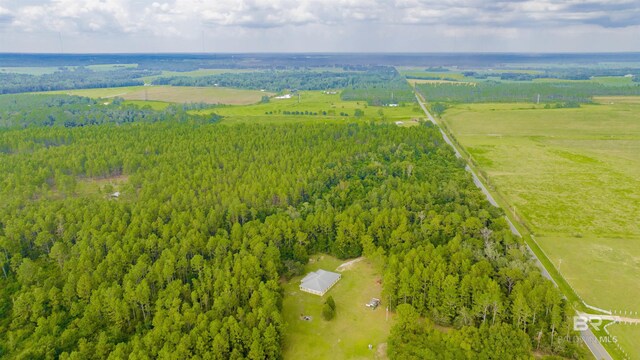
{"points": [[573, 176], [327, 107], [355, 326], [174, 94]]}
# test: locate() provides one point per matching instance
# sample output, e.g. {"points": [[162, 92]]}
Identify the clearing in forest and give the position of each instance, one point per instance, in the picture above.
{"points": [[355, 325], [316, 106], [110, 187]]}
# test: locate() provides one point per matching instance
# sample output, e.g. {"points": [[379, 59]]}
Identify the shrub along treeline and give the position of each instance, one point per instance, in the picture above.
{"points": [[75, 78], [26, 110], [491, 91], [186, 263]]}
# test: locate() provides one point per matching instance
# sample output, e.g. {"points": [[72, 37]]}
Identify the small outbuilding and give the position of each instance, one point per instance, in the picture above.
{"points": [[319, 282]]}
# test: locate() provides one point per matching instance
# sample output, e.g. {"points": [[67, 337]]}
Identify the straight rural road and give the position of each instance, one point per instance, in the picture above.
{"points": [[587, 336]]}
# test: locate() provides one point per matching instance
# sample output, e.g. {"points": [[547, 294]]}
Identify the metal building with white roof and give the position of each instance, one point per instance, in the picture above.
{"points": [[319, 282]]}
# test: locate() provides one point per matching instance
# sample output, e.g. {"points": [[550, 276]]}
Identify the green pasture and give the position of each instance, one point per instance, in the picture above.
{"points": [[573, 177], [446, 75], [614, 80], [627, 336], [327, 107], [355, 326], [601, 270]]}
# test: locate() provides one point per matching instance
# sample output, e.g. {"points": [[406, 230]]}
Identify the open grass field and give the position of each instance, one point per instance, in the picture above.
{"points": [[614, 80], [573, 176], [100, 186], [446, 75], [355, 326], [627, 337], [327, 106], [175, 94]]}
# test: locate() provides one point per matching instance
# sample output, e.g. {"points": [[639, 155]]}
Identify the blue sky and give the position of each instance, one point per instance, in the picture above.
{"points": [[319, 26]]}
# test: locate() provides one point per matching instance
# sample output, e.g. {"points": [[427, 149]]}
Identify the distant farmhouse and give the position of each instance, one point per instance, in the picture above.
{"points": [[319, 282]]}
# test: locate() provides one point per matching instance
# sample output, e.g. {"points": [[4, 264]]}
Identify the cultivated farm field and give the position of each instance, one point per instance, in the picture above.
{"points": [[174, 94]]}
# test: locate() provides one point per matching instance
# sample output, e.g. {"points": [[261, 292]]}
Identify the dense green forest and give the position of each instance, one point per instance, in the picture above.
{"points": [[187, 261], [491, 91], [412, 338], [25, 110], [579, 73], [71, 78]]}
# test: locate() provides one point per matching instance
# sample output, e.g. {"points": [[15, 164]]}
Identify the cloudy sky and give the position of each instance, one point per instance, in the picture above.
{"points": [[319, 25]]}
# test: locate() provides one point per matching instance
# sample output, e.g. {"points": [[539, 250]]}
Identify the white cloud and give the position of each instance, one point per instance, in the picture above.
{"points": [[71, 16], [5, 15], [371, 25]]}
